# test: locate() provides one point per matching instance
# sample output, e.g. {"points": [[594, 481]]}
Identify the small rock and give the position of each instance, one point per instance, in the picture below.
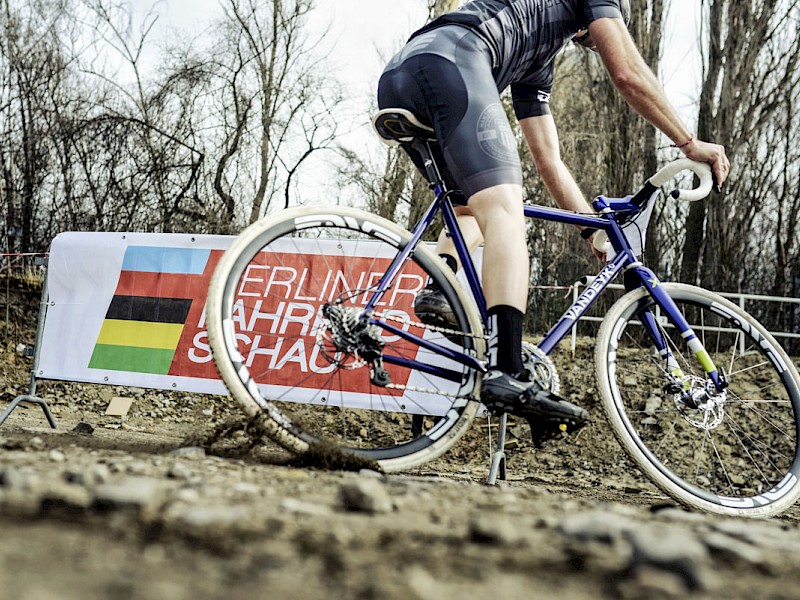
{"points": [[16, 478], [423, 584], [65, 500], [36, 443], [83, 428], [211, 517], [192, 452], [493, 528], [90, 475], [301, 507], [748, 531], [370, 474], [189, 495], [366, 495], [673, 550], [137, 468], [136, 493], [56, 456], [732, 549], [595, 526], [670, 513], [179, 471]]}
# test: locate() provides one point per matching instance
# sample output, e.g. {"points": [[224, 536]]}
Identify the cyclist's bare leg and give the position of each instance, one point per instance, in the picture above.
{"points": [[499, 215]]}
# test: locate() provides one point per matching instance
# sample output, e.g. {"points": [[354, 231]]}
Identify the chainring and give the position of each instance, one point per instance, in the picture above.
{"points": [[540, 367]]}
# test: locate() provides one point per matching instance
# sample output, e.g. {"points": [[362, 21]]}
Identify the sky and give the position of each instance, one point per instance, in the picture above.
{"points": [[362, 31], [363, 34]]}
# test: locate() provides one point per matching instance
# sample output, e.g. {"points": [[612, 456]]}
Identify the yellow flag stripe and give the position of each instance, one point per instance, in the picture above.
{"points": [[140, 334]]}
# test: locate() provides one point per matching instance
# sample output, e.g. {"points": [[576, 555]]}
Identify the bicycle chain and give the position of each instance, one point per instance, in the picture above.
{"points": [[412, 388], [436, 328]]}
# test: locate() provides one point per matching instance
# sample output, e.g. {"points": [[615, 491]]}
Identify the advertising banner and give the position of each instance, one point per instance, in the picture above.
{"points": [[129, 309]]}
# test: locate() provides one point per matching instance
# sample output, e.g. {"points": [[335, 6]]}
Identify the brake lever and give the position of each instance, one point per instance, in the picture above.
{"points": [[717, 187]]}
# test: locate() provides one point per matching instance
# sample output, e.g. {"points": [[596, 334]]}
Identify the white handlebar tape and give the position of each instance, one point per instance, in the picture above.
{"points": [[702, 170]]}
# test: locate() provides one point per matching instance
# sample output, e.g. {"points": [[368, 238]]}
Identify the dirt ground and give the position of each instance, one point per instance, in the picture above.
{"points": [[132, 507]]}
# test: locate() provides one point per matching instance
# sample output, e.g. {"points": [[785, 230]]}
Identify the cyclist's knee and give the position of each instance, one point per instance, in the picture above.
{"points": [[500, 201]]}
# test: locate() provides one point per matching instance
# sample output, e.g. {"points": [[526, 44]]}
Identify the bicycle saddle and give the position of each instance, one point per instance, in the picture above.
{"points": [[397, 125]]}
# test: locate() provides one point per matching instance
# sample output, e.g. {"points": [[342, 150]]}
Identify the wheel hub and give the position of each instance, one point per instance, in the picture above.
{"points": [[701, 404]]}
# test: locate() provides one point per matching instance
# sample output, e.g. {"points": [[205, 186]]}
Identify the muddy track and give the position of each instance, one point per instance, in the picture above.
{"points": [[137, 509]]}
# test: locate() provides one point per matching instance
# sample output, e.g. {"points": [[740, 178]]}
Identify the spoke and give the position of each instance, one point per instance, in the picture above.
{"points": [[733, 429], [702, 452], [712, 446], [721, 464], [731, 372]]}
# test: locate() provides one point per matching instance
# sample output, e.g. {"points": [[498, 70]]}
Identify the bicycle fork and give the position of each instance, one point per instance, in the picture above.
{"points": [[650, 322]]}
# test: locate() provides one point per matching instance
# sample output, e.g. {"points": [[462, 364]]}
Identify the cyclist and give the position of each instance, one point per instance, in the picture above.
{"points": [[450, 74]]}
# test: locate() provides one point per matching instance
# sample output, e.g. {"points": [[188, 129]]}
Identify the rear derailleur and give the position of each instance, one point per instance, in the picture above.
{"points": [[348, 340]]}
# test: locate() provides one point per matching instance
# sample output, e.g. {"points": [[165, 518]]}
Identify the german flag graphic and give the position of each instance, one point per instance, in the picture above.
{"points": [[146, 317]]}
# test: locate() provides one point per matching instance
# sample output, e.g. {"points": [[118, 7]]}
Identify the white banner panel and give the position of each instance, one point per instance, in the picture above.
{"points": [[129, 309], [91, 332]]}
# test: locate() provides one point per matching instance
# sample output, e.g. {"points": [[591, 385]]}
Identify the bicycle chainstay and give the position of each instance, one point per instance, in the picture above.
{"points": [[343, 328], [447, 332], [532, 351]]}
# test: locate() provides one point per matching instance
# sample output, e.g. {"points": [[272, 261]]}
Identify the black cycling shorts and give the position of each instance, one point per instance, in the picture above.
{"points": [[445, 78]]}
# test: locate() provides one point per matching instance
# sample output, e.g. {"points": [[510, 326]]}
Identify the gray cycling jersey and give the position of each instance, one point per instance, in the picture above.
{"points": [[450, 72], [524, 36]]}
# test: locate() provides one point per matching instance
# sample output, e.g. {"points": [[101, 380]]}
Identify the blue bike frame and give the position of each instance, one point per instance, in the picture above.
{"points": [[624, 260]]}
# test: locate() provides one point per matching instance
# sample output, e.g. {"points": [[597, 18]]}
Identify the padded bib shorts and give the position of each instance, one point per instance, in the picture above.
{"points": [[445, 78]]}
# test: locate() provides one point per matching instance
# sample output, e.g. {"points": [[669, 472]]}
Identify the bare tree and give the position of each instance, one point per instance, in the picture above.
{"points": [[278, 101], [154, 113], [34, 74], [750, 89]]}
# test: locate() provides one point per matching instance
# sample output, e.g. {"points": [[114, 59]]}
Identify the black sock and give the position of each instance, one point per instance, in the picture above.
{"points": [[505, 339], [451, 261]]}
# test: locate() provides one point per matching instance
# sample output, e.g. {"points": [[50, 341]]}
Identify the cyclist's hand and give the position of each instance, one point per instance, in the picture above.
{"points": [[713, 154], [598, 253]]}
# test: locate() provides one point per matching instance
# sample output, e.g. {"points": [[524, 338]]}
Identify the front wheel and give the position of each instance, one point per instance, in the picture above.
{"points": [[293, 344], [733, 452]]}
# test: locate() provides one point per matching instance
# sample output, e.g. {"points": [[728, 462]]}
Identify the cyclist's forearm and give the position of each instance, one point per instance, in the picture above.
{"points": [[562, 187], [542, 137], [644, 94], [634, 79]]}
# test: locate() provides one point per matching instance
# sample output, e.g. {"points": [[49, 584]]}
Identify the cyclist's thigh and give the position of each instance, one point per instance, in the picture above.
{"points": [[447, 81]]}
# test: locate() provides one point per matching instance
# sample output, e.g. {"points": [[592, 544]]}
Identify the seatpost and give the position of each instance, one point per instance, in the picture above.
{"points": [[431, 168]]}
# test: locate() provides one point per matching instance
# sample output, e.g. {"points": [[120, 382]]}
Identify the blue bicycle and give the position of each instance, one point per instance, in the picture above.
{"points": [[311, 322]]}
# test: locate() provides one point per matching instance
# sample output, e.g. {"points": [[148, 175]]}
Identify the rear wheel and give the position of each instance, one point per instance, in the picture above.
{"points": [[284, 323], [734, 452]]}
